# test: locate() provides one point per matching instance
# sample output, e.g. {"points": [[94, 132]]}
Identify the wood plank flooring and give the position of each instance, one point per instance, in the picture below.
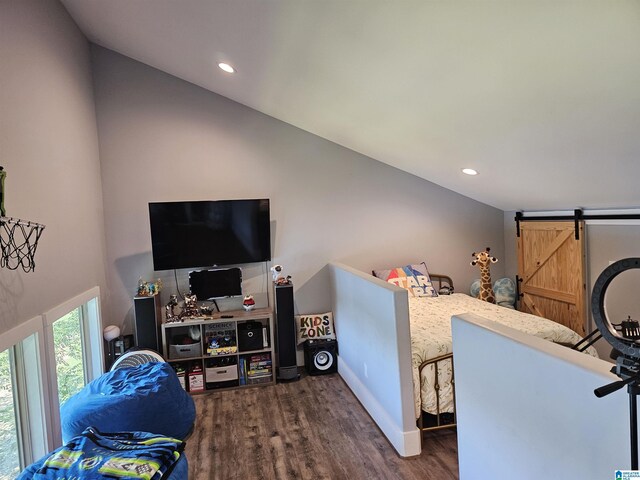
{"points": [[311, 429]]}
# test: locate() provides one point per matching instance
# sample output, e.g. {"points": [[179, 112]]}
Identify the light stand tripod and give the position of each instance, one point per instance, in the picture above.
{"points": [[630, 378], [625, 339]]}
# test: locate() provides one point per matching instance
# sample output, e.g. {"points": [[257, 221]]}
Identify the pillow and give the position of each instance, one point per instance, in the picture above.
{"points": [[474, 289], [314, 327], [505, 292], [414, 278]]}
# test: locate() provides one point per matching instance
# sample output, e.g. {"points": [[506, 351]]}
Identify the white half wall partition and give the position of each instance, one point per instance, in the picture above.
{"points": [[372, 326], [526, 407]]}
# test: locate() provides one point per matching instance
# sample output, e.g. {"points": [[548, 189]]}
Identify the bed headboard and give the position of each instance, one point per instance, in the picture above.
{"points": [[441, 281]]}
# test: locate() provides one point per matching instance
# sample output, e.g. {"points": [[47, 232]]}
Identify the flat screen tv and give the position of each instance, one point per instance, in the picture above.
{"points": [[209, 233], [219, 283]]}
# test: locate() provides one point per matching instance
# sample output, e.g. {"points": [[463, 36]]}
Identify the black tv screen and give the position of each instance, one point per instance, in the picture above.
{"points": [[211, 284], [209, 233]]}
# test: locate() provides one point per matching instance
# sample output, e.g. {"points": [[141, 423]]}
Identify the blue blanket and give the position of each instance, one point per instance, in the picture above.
{"points": [[96, 456]]}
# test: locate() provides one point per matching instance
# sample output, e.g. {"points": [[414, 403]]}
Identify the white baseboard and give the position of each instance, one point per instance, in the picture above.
{"points": [[406, 443]]}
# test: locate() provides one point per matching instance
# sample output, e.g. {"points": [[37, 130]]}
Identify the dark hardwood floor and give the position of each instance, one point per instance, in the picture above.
{"points": [[311, 429]]}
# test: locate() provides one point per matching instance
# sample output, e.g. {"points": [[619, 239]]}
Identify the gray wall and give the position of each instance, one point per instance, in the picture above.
{"points": [[607, 244], [163, 139], [49, 147], [537, 413]]}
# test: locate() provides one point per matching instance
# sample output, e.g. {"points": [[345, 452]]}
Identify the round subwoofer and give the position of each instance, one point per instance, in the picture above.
{"points": [[321, 356], [323, 360]]}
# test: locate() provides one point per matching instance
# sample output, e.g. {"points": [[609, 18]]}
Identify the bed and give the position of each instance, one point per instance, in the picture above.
{"points": [[412, 338], [431, 345]]}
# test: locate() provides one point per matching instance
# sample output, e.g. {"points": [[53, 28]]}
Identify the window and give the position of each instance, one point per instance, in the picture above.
{"points": [[74, 349], [9, 454], [44, 361], [68, 347], [23, 422]]}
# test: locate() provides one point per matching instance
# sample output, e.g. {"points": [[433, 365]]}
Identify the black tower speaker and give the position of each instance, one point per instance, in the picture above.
{"points": [[147, 322], [321, 356], [286, 361]]}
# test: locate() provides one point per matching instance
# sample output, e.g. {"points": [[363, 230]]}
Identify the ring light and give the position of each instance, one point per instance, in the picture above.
{"points": [[629, 348], [628, 364]]}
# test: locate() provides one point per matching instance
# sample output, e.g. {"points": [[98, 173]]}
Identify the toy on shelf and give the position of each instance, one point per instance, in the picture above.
{"points": [[248, 303], [190, 308], [220, 339], [278, 277], [169, 309], [148, 289]]}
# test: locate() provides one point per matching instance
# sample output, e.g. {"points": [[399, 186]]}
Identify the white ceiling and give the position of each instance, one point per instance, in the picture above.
{"points": [[542, 97]]}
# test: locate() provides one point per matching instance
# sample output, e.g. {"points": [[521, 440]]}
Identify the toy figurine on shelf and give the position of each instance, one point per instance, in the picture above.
{"points": [[278, 277], [248, 303], [148, 289], [284, 280], [190, 308], [276, 272], [143, 289], [169, 309]]}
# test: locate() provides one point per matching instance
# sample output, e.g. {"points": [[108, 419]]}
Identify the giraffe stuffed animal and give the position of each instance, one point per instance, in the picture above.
{"points": [[484, 261]]}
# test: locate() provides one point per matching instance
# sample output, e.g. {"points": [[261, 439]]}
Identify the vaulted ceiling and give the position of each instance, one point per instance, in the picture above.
{"points": [[541, 97]]}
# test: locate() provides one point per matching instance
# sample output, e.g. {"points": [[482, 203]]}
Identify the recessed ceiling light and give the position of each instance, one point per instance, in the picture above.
{"points": [[226, 67], [469, 171]]}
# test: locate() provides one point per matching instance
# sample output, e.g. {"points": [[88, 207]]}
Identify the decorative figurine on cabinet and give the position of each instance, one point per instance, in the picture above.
{"points": [[190, 306], [279, 277], [276, 272], [248, 303], [169, 309], [148, 289]]}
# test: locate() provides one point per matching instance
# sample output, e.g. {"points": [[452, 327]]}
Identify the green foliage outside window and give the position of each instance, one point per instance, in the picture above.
{"points": [[67, 339], [9, 463]]}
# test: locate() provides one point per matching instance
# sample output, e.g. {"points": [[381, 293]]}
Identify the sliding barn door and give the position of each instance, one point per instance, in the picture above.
{"points": [[551, 269]]}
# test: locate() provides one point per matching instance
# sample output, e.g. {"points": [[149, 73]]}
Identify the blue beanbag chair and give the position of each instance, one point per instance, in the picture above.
{"points": [[144, 398]]}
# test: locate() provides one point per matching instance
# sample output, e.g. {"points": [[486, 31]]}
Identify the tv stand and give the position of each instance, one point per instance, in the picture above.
{"points": [[233, 349]]}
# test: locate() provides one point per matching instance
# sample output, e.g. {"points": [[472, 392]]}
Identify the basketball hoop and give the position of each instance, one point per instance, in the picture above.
{"points": [[18, 238]]}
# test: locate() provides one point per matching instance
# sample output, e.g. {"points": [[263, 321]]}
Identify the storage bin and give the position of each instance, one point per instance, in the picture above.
{"points": [[221, 374], [258, 380], [185, 351]]}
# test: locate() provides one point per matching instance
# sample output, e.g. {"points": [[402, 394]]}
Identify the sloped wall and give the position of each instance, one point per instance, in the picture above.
{"points": [[163, 139]]}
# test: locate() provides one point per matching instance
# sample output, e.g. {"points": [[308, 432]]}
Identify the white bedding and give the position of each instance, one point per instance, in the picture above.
{"points": [[430, 319]]}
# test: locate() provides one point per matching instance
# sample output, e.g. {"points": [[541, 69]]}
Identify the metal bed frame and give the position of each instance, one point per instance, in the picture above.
{"points": [[441, 281]]}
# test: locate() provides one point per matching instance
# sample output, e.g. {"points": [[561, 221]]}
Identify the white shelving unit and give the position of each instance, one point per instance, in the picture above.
{"points": [[224, 361]]}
